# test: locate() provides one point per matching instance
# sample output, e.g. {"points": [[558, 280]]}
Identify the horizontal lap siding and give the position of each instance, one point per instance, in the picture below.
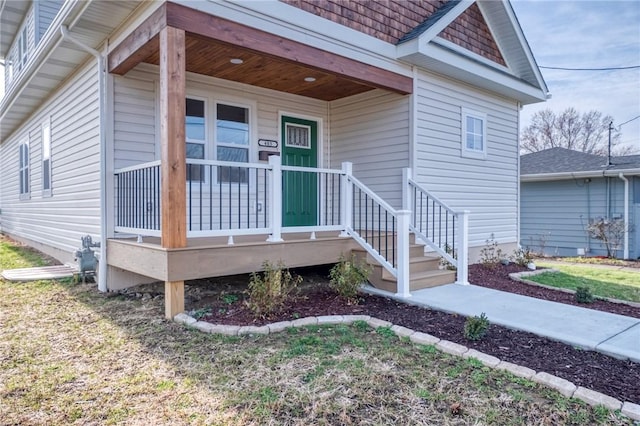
{"points": [[136, 130], [554, 215], [47, 11], [489, 187], [74, 209], [372, 131]]}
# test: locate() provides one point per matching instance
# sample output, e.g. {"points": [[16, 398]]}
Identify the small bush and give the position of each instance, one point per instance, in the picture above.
{"points": [[523, 256], [270, 291], [476, 327], [491, 254], [347, 275], [583, 295], [200, 313]]}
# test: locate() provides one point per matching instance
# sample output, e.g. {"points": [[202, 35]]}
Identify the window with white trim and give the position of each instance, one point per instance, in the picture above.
{"points": [[46, 159], [196, 136], [474, 134], [232, 141], [23, 169]]}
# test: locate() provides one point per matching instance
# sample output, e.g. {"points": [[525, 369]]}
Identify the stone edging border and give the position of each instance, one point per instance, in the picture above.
{"points": [[521, 277], [563, 386]]}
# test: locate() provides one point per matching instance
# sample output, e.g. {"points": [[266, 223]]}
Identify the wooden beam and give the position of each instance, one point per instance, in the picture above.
{"points": [[173, 166], [173, 298], [234, 34], [172, 138], [138, 45]]}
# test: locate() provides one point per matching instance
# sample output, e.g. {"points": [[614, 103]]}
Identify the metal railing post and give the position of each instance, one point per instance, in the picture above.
{"points": [[462, 275], [403, 279], [275, 205], [346, 201]]}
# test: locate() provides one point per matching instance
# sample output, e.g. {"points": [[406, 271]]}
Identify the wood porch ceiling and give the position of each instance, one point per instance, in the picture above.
{"points": [[269, 61]]}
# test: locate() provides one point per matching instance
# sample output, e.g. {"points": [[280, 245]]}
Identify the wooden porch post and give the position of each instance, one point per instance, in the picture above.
{"points": [[173, 155]]}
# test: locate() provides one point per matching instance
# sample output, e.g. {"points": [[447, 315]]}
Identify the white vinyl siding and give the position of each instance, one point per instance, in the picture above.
{"points": [[47, 11], [488, 188], [372, 131], [137, 130], [59, 221]]}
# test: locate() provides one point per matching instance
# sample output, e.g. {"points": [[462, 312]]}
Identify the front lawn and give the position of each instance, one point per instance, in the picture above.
{"points": [[604, 282], [70, 355]]}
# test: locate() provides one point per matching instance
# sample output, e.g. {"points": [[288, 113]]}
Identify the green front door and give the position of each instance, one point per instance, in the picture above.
{"points": [[299, 189]]}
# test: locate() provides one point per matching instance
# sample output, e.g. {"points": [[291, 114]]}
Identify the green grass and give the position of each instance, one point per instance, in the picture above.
{"points": [[603, 282], [73, 356]]}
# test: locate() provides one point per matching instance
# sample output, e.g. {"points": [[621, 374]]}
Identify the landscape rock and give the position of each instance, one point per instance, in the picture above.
{"points": [[488, 360], [277, 327], [375, 323], [451, 347], [183, 318], [252, 329], [563, 386], [423, 338], [402, 331], [631, 410], [330, 319], [592, 397], [516, 370], [303, 322]]}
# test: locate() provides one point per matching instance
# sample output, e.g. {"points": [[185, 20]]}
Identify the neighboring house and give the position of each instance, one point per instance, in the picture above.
{"points": [[366, 106], [562, 190]]}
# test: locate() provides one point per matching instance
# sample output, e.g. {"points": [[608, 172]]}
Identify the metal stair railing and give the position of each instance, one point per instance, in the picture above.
{"points": [[438, 226]]}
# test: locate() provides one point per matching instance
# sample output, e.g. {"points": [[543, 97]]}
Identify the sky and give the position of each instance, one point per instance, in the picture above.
{"points": [[587, 34], [584, 34]]}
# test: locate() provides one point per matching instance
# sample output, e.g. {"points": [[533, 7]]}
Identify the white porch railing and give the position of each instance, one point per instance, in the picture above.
{"points": [[438, 226], [231, 199]]}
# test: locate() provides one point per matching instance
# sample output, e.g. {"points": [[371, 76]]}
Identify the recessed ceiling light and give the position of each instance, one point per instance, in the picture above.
{"points": [[309, 79], [236, 61]]}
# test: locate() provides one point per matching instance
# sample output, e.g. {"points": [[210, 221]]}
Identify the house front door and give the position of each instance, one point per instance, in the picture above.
{"points": [[300, 189]]}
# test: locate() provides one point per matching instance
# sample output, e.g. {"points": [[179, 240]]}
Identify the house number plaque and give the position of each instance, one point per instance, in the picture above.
{"points": [[267, 143]]}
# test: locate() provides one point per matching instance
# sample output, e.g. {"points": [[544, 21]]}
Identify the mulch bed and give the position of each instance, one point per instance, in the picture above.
{"points": [[592, 370]]}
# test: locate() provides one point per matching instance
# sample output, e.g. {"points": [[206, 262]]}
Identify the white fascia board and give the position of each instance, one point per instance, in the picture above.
{"points": [[539, 177], [525, 45], [296, 24], [435, 56]]}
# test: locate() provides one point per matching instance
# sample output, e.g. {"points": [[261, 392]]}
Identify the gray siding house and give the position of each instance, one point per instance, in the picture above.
{"points": [[196, 139], [562, 190]]}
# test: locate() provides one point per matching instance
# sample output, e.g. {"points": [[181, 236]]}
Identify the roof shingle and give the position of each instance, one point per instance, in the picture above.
{"points": [[562, 160]]}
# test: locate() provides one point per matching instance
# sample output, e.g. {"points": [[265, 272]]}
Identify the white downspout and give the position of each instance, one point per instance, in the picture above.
{"points": [[102, 266], [626, 215]]}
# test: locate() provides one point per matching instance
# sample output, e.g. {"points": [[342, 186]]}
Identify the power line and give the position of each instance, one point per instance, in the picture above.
{"points": [[628, 121], [591, 69]]}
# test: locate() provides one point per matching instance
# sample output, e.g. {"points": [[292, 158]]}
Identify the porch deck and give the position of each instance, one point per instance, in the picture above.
{"points": [[214, 256]]}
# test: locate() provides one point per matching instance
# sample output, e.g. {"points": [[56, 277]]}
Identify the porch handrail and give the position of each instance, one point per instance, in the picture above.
{"points": [[136, 167], [425, 207], [394, 259]]}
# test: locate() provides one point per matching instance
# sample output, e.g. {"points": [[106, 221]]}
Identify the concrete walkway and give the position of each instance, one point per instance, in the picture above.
{"points": [[612, 334]]}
